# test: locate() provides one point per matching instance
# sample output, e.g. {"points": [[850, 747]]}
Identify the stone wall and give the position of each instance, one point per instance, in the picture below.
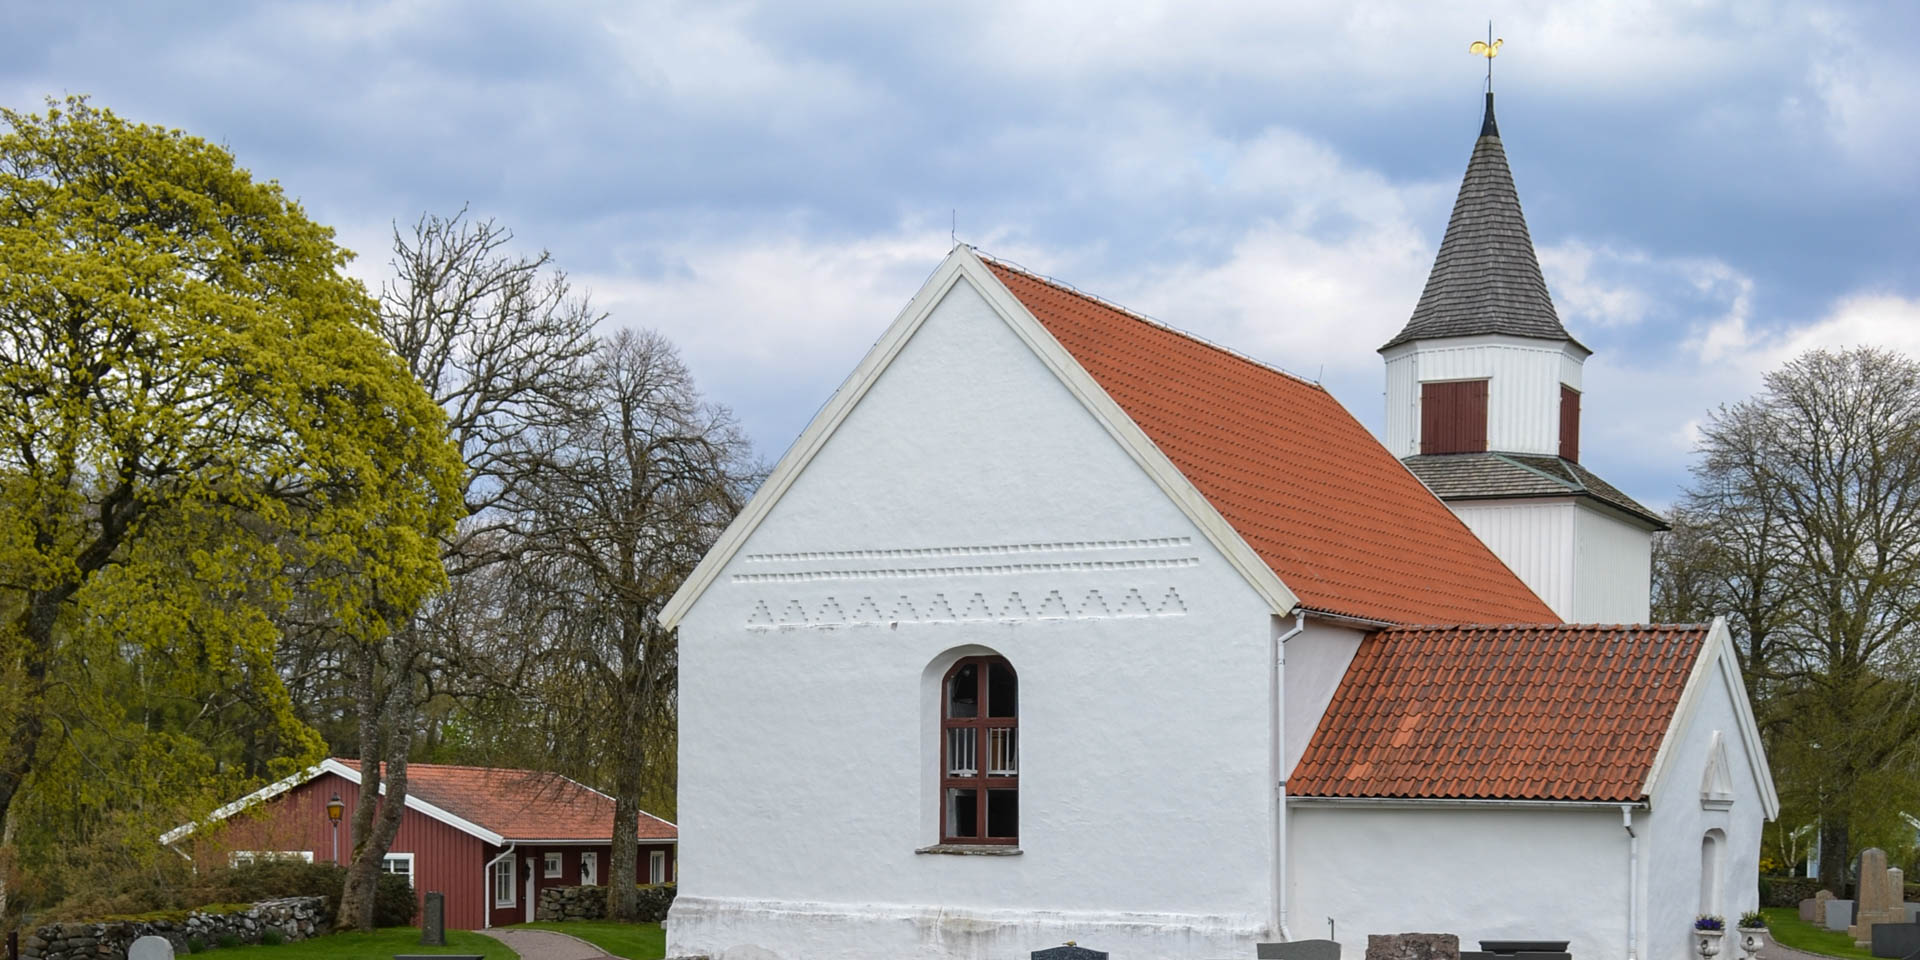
{"points": [[297, 918], [590, 903]]}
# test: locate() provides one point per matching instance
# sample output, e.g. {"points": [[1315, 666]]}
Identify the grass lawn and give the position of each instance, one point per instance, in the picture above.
{"points": [[635, 941], [379, 945], [1787, 929]]}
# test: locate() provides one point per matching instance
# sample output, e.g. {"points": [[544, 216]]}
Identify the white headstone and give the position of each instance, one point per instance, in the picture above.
{"points": [[150, 948]]}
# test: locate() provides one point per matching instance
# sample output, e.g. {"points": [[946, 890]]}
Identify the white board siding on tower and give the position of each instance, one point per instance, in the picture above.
{"points": [[1523, 401], [1613, 568], [1536, 539], [808, 745]]}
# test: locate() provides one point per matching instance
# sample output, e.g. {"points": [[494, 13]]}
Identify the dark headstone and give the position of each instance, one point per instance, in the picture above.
{"points": [[1413, 946], [1509, 947], [433, 923], [1896, 940], [1806, 910], [1298, 950], [1069, 952]]}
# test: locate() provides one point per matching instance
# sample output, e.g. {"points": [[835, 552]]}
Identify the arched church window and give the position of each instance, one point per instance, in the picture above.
{"points": [[980, 752]]}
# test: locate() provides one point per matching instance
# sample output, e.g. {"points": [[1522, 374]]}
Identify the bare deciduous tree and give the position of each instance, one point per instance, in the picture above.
{"points": [[499, 341], [1804, 524], [641, 483]]}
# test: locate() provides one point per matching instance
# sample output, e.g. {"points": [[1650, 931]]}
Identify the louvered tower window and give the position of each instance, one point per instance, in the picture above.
{"points": [[1453, 416], [1569, 423]]}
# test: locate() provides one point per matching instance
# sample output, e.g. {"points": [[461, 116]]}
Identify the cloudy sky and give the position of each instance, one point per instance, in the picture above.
{"points": [[1713, 186]]}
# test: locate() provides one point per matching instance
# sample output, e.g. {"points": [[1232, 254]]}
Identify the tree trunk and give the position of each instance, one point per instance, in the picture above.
{"points": [[623, 901], [1835, 854], [374, 833]]}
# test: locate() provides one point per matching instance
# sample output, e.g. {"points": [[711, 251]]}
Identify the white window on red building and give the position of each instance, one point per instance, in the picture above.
{"points": [[503, 883]]}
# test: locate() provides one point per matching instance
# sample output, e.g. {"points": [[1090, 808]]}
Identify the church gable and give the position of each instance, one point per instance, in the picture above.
{"points": [[968, 483], [968, 442]]}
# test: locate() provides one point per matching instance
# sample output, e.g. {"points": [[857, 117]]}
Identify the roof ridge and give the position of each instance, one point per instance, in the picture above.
{"points": [[1575, 485], [413, 765], [1069, 288]]}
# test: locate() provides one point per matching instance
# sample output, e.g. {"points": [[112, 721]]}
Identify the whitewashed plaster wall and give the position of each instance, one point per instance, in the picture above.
{"points": [[970, 504], [1613, 567], [1534, 538], [1679, 821], [1482, 872], [1523, 388], [1317, 659]]}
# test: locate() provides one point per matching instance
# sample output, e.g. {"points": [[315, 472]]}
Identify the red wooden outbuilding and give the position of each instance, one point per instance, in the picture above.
{"points": [[489, 838]]}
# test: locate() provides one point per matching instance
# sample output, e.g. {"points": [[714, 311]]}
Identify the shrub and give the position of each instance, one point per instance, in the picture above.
{"points": [[654, 901], [272, 937], [394, 903], [228, 941], [196, 945], [273, 879]]}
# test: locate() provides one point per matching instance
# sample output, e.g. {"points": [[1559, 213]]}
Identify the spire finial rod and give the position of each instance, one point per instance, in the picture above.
{"points": [[1488, 48]]}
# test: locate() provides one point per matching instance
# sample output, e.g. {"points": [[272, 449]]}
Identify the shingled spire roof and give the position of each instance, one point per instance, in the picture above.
{"points": [[1486, 278]]}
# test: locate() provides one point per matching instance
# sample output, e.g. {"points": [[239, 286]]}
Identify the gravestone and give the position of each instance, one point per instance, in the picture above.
{"points": [[1298, 950], [150, 948], [1896, 940], [1839, 915], [1069, 951], [433, 923], [1413, 946], [1880, 897], [1814, 911]]}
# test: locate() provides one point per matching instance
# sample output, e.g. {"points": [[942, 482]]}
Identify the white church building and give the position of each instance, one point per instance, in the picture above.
{"points": [[1058, 624]]}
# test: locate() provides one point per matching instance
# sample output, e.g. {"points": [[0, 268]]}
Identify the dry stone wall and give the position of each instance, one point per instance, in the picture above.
{"points": [[297, 918], [590, 903]]}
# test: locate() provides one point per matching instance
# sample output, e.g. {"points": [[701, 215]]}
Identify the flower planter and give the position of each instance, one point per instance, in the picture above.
{"points": [[1752, 939], [1706, 943]]}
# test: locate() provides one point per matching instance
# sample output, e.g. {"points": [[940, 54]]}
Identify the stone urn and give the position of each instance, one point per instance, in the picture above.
{"points": [[1706, 943], [1751, 940]]}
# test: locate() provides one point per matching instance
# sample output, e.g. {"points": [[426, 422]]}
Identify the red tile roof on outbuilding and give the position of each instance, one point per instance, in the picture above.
{"points": [[1550, 712], [1337, 518], [522, 804]]}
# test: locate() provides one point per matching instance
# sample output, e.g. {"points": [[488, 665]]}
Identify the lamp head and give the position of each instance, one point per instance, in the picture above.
{"points": [[334, 809]]}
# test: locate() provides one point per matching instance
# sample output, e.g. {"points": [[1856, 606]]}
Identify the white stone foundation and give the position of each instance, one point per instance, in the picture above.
{"points": [[728, 929]]}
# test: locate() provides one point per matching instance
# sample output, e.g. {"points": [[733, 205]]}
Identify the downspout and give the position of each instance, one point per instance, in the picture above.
{"points": [[486, 886], [1278, 697], [1633, 878]]}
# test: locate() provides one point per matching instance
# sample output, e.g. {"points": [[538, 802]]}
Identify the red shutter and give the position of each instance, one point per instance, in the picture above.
{"points": [[1453, 416], [1569, 423]]}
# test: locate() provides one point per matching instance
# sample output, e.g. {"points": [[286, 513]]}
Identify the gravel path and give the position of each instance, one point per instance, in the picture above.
{"points": [[547, 945]]}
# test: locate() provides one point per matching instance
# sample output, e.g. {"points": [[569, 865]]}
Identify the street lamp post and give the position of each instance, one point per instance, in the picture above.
{"points": [[334, 809]]}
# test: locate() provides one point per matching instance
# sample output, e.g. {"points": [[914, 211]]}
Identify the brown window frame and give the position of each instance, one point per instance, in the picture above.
{"points": [[1453, 416], [1569, 424], [982, 779]]}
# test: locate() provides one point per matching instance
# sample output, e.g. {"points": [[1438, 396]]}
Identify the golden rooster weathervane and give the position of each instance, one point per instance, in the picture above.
{"points": [[1488, 48]]}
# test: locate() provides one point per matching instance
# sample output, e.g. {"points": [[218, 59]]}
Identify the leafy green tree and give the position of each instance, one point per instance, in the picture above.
{"points": [[198, 418]]}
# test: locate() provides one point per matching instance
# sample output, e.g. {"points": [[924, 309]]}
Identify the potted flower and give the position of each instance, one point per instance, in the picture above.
{"points": [[1753, 927], [1708, 928]]}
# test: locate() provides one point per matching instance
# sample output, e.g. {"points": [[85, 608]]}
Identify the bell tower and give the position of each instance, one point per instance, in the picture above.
{"points": [[1483, 405]]}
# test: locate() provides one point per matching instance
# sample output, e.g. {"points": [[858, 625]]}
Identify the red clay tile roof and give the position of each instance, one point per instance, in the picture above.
{"points": [[1551, 712], [522, 804], [1340, 521]]}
